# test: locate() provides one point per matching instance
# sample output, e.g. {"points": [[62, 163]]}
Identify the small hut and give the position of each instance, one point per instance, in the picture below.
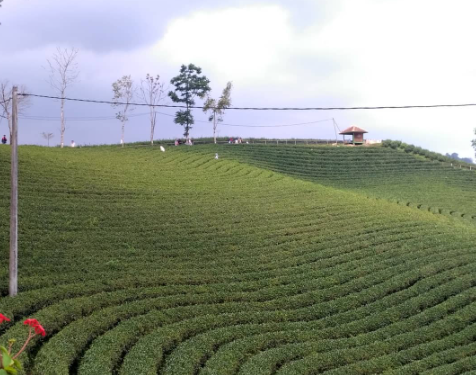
{"points": [[356, 133]]}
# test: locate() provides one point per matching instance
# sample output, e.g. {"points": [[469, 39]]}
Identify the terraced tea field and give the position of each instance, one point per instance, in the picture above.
{"points": [[143, 262], [374, 172]]}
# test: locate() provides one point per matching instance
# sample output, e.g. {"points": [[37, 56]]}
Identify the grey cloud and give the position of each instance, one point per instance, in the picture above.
{"points": [[108, 25], [99, 26]]}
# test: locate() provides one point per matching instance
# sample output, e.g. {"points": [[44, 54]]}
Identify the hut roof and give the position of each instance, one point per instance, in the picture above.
{"points": [[352, 130]]}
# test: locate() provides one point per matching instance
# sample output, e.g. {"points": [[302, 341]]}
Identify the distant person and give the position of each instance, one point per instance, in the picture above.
{"points": [[4, 139], [73, 144], [216, 156], [230, 141], [177, 142]]}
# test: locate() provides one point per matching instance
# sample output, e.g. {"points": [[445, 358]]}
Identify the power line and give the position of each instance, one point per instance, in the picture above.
{"points": [[261, 108], [72, 119], [107, 102], [277, 126], [254, 126], [104, 118]]}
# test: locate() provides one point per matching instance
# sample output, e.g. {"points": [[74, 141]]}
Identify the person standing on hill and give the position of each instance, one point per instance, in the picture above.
{"points": [[73, 144], [4, 139]]}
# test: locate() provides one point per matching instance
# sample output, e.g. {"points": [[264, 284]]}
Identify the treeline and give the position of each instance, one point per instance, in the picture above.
{"points": [[455, 156]]}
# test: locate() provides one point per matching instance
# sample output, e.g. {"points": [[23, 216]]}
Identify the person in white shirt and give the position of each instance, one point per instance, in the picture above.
{"points": [[73, 144]]}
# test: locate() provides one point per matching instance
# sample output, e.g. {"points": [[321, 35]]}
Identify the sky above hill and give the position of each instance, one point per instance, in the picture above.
{"points": [[279, 53]]}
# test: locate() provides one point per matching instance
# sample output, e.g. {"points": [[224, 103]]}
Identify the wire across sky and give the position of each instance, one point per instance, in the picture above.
{"points": [[258, 108], [108, 102]]}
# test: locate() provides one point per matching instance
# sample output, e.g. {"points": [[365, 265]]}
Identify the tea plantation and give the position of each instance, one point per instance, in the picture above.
{"points": [[269, 260], [374, 172]]}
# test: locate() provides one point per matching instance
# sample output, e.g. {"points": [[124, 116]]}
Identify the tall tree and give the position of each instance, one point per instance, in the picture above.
{"points": [[64, 72], [6, 102], [152, 92], [124, 91], [188, 85], [217, 107]]}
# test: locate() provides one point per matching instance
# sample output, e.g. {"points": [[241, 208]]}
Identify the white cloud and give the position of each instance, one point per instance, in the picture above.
{"points": [[406, 52], [366, 52], [372, 52], [244, 44]]}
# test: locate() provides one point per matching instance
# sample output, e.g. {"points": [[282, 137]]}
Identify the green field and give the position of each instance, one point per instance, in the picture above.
{"points": [[374, 172], [270, 260]]}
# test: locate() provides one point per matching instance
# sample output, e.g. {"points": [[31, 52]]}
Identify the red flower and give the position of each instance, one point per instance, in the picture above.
{"points": [[3, 318], [31, 322], [39, 330]]}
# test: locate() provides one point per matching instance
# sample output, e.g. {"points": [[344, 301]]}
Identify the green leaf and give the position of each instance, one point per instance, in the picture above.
{"points": [[6, 360], [11, 371], [3, 349], [17, 364], [3, 372]]}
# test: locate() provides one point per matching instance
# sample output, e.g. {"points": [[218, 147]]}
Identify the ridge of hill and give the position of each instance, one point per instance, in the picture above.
{"points": [[138, 261]]}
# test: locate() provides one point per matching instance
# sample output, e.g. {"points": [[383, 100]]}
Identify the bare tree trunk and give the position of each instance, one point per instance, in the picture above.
{"points": [[152, 125], [62, 122], [187, 126], [9, 120], [122, 136], [214, 128]]}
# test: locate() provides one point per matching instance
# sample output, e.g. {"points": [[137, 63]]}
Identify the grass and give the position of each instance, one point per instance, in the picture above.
{"points": [[270, 260]]}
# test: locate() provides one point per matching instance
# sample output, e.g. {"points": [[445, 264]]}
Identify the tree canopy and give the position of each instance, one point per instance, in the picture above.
{"points": [[217, 107], [124, 90], [188, 85]]}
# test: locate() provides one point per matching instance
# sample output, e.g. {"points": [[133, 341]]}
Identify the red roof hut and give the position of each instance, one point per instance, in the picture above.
{"points": [[356, 133]]}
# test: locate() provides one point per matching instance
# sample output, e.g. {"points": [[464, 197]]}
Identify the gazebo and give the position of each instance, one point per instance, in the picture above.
{"points": [[356, 133]]}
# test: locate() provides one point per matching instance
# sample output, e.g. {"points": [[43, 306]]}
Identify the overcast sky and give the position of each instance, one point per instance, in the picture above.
{"points": [[291, 53]]}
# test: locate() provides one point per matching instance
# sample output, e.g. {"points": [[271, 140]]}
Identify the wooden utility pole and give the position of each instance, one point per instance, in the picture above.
{"points": [[13, 286]]}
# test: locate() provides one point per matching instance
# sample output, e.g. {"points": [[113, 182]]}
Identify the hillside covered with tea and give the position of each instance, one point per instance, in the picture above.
{"points": [[267, 260]]}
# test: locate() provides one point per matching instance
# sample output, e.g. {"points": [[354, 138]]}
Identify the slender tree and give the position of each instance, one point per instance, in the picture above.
{"points": [[188, 85], [23, 102], [47, 136], [152, 92], [474, 142], [124, 91], [217, 108], [64, 72]]}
